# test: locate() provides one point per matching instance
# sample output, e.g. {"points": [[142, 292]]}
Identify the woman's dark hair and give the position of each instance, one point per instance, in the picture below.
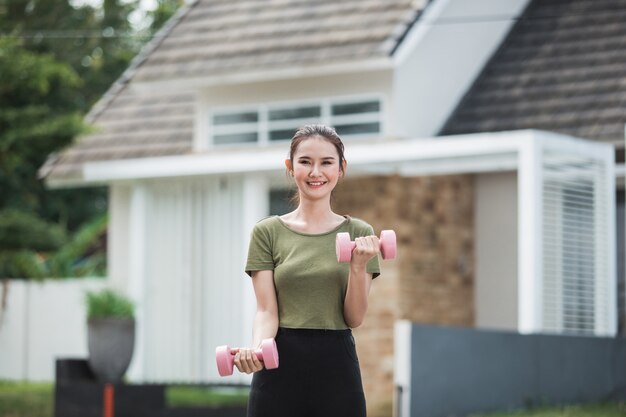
{"points": [[308, 131]]}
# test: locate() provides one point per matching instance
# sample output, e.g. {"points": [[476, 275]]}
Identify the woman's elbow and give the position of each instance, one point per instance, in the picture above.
{"points": [[354, 322], [267, 313]]}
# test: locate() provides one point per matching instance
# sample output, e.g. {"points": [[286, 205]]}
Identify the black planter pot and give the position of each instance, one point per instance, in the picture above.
{"points": [[110, 342]]}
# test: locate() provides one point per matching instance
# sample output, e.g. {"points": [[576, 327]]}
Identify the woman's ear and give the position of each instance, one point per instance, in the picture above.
{"points": [[344, 165], [289, 166]]}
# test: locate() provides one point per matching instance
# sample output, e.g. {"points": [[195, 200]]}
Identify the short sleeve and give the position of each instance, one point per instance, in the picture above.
{"points": [[373, 266], [260, 250]]}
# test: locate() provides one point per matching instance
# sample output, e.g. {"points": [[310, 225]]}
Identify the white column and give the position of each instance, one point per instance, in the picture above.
{"points": [[255, 206], [402, 368], [530, 261], [609, 281], [136, 283]]}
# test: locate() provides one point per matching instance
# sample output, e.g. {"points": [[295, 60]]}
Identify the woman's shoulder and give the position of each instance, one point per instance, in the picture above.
{"points": [[267, 222], [359, 225]]}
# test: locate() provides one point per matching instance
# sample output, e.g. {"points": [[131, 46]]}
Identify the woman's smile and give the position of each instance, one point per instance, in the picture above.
{"points": [[316, 184]]}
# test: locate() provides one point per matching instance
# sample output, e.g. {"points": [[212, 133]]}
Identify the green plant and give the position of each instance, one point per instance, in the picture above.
{"points": [[23, 239], [108, 303], [30, 248], [81, 255]]}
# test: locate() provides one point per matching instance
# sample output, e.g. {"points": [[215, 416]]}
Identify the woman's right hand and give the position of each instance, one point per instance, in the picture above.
{"points": [[246, 361]]}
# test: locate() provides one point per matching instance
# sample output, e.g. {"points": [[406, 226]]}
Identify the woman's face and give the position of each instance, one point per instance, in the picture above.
{"points": [[316, 168]]}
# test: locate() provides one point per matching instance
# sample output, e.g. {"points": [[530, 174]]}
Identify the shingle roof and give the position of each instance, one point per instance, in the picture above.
{"points": [[220, 36], [213, 37], [561, 68], [133, 126]]}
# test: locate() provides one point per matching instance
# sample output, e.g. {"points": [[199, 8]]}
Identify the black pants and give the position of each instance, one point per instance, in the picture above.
{"points": [[318, 376]]}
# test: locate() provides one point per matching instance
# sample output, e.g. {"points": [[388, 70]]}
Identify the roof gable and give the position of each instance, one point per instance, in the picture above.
{"points": [[562, 68]]}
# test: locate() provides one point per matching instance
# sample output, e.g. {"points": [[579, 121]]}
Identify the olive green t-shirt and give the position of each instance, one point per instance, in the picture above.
{"points": [[310, 283]]}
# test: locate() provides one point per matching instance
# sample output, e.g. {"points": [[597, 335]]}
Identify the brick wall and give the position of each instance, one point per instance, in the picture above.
{"points": [[430, 282]]}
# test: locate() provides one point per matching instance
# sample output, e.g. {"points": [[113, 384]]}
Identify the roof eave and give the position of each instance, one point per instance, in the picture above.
{"points": [[471, 153]]}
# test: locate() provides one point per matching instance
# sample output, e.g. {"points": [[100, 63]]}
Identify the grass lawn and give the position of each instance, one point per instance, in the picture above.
{"points": [[590, 410], [181, 396], [20, 399]]}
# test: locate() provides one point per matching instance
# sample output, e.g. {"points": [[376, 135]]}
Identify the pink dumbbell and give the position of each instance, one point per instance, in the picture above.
{"points": [[225, 357], [344, 246]]}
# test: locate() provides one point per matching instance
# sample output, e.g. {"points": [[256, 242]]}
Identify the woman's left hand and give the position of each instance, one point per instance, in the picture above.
{"points": [[366, 248]]}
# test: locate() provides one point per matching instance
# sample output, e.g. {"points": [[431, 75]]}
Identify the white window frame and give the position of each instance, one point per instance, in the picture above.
{"points": [[262, 128], [531, 234]]}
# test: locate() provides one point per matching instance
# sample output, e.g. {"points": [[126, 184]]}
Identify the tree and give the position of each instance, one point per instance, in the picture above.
{"points": [[97, 43], [161, 14], [56, 61], [37, 117]]}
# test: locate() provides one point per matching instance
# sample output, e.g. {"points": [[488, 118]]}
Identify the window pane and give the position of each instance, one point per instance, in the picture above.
{"points": [[358, 128], [285, 134], [235, 138], [295, 113], [356, 108], [578, 226], [235, 118], [279, 202]]}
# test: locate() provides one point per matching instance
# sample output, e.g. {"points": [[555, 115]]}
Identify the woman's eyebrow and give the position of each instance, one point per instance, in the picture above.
{"points": [[323, 158]]}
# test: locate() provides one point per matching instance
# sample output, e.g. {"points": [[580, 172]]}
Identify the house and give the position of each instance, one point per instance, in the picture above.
{"points": [[465, 132]]}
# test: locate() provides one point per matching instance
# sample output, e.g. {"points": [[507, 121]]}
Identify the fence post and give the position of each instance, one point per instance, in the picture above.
{"points": [[402, 368]]}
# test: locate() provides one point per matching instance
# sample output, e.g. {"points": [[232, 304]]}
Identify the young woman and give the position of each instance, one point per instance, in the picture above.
{"points": [[306, 299]]}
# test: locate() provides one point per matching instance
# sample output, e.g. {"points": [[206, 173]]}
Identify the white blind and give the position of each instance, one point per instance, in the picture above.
{"points": [[193, 282], [576, 276]]}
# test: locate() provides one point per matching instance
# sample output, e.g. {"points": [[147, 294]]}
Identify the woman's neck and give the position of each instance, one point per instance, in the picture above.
{"points": [[314, 211], [312, 217]]}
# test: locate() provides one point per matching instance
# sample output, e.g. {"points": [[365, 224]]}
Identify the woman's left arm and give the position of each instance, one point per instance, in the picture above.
{"points": [[359, 281]]}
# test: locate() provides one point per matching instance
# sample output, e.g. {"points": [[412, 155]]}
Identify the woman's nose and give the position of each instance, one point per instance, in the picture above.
{"points": [[315, 169]]}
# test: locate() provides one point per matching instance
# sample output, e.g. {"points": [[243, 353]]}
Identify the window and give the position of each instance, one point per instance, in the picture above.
{"points": [[278, 122], [576, 241], [280, 201], [235, 127]]}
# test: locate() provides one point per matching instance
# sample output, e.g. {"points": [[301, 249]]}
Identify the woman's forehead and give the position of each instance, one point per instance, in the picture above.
{"points": [[316, 147]]}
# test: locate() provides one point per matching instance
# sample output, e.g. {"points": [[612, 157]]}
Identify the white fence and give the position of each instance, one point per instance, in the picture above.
{"points": [[42, 321]]}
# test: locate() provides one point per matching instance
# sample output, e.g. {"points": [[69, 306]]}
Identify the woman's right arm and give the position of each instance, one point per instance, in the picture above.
{"points": [[265, 320]]}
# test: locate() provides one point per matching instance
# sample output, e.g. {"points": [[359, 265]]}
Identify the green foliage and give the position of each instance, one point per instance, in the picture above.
{"points": [[164, 10], [96, 43], [74, 258], [21, 230], [36, 119], [56, 61], [21, 264], [33, 249], [22, 235], [108, 303]]}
